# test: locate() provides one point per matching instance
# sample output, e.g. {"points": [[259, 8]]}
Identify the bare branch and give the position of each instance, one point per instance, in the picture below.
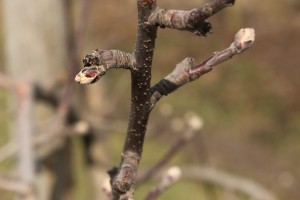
{"points": [[100, 61], [123, 180], [144, 98], [186, 71], [228, 181], [23, 132], [195, 125], [6, 82], [41, 143], [192, 20], [169, 178], [14, 185]]}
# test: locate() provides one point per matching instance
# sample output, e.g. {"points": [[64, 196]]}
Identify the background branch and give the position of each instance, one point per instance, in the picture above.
{"points": [[228, 181], [24, 134], [194, 128], [15, 185], [6, 82], [169, 178]]}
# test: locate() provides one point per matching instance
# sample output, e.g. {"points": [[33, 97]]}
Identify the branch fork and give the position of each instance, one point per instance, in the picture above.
{"points": [[143, 96]]}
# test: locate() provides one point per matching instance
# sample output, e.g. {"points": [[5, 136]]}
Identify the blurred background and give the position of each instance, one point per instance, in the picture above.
{"points": [[249, 105]]}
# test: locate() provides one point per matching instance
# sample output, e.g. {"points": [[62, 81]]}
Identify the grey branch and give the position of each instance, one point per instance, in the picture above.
{"points": [[41, 143], [15, 185], [228, 181], [169, 178], [194, 127], [7, 82], [186, 71], [192, 20], [100, 61]]}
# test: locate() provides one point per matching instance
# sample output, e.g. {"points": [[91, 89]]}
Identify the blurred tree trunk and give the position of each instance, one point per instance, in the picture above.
{"points": [[36, 39], [36, 48]]}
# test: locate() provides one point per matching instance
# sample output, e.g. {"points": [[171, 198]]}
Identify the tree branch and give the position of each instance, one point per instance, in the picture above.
{"points": [[100, 61], [192, 20], [186, 71], [228, 181], [144, 98], [123, 180], [169, 178], [41, 142], [24, 134], [195, 125], [15, 185], [7, 82]]}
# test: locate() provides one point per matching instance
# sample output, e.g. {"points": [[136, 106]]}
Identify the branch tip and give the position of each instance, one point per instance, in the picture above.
{"points": [[90, 75], [171, 176], [244, 39], [194, 121]]}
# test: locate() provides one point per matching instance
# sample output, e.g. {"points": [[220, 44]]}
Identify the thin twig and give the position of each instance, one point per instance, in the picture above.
{"points": [[194, 128], [228, 181], [192, 20], [14, 185], [57, 131], [7, 83], [187, 71], [169, 178], [100, 61]]}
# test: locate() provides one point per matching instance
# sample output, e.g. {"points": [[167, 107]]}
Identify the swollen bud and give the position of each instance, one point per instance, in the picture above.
{"points": [[89, 75], [244, 39]]}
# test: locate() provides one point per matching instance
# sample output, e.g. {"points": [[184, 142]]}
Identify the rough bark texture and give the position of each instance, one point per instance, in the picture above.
{"points": [[139, 114]]}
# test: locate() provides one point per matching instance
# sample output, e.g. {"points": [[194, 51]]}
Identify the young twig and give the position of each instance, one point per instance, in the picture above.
{"points": [[187, 71], [169, 178], [15, 185], [7, 83], [228, 181], [195, 126], [59, 131], [192, 20], [100, 61]]}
